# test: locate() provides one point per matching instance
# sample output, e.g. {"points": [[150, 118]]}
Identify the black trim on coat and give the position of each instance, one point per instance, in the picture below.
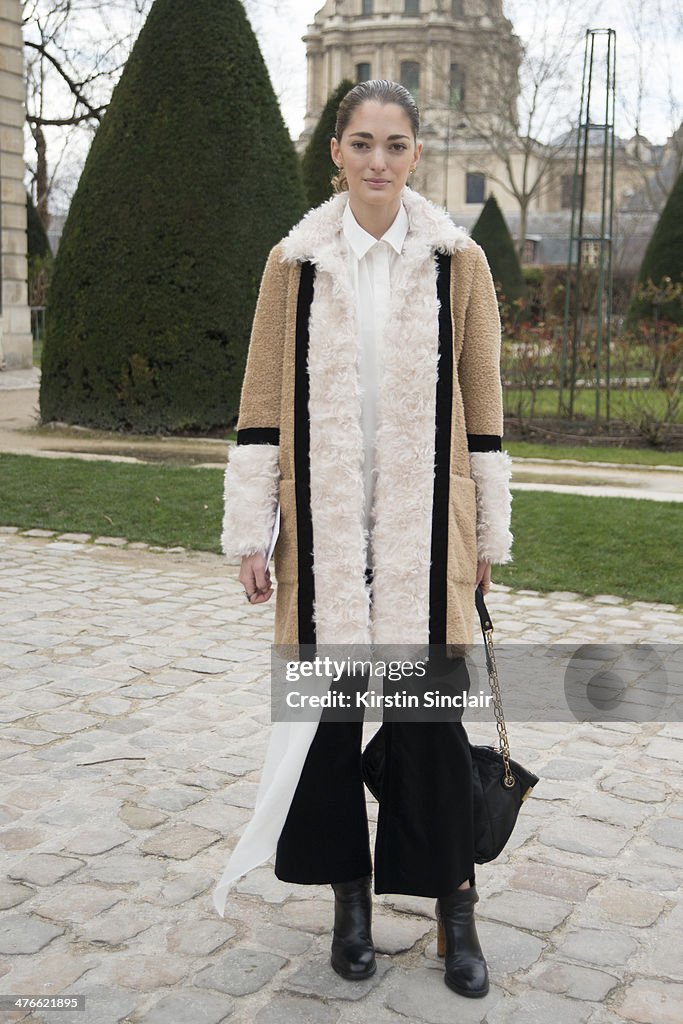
{"points": [[438, 576], [258, 435], [302, 467], [484, 443]]}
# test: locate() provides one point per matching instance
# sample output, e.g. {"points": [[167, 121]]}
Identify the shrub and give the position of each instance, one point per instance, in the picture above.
{"points": [[190, 180]]}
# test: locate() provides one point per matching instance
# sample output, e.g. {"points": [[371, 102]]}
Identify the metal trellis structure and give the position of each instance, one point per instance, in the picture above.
{"points": [[587, 132]]}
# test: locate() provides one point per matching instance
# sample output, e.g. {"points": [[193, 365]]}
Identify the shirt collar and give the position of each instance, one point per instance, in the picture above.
{"points": [[361, 240]]}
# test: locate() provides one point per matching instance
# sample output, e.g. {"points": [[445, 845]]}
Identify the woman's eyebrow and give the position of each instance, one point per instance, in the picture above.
{"points": [[368, 135]]}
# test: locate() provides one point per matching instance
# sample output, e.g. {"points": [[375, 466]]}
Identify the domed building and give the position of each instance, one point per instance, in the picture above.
{"points": [[461, 61], [434, 48]]}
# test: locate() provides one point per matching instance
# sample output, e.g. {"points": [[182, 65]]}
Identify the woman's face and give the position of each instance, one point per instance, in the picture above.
{"points": [[377, 151]]}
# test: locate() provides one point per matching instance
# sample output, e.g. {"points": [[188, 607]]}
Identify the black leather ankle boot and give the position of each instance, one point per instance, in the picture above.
{"points": [[353, 952], [466, 970]]}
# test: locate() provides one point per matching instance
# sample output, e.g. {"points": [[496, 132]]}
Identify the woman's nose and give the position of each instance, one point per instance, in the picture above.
{"points": [[377, 160]]}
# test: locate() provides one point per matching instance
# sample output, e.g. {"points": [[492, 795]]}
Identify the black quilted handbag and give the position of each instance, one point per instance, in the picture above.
{"points": [[501, 785]]}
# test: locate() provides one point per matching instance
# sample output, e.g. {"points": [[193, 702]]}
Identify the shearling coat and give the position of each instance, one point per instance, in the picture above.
{"points": [[442, 497]]}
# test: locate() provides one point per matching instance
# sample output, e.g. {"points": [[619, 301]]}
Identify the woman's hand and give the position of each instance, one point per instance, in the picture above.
{"points": [[484, 576], [255, 578]]}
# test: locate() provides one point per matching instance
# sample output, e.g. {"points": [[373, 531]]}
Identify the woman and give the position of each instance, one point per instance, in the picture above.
{"points": [[372, 411]]}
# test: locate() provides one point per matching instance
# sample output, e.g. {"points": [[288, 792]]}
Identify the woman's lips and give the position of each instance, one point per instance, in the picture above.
{"points": [[377, 183]]}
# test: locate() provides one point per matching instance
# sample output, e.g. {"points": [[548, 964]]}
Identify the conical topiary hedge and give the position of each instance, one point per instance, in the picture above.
{"points": [[38, 244], [493, 235], [190, 180], [663, 258], [317, 164]]}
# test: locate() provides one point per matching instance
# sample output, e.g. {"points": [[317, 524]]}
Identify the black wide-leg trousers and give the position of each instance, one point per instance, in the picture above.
{"points": [[424, 844]]}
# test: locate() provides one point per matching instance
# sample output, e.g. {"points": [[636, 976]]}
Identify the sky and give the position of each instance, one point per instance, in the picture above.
{"points": [[280, 26]]}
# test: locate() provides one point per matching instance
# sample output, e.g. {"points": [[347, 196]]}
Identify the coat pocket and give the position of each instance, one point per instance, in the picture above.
{"points": [[462, 529], [285, 552]]}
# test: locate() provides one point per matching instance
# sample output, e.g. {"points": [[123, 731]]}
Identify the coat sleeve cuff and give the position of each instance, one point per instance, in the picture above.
{"points": [[250, 498], [492, 472]]}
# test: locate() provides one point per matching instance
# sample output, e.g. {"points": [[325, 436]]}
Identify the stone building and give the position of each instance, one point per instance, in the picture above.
{"points": [[434, 48], [458, 57], [16, 346]]}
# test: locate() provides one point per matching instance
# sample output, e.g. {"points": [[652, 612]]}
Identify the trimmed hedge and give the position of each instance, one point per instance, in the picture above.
{"points": [[37, 242], [663, 258], [317, 164], [493, 235], [191, 179]]}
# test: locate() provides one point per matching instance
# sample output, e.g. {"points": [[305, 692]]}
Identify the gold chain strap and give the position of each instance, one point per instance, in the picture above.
{"points": [[509, 779]]}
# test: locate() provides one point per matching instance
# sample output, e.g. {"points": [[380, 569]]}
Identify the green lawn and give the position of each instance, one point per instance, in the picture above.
{"points": [[629, 547], [153, 503], [625, 546], [597, 453], [622, 402]]}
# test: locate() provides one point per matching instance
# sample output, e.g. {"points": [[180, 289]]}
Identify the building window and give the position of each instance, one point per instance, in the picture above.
{"points": [[457, 9], [529, 250], [590, 253], [566, 190], [457, 87], [410, 76], [474, 187], [367, 7], [362, 72], [412, 7]]}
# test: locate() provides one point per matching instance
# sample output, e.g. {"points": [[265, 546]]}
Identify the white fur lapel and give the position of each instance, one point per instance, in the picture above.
{"points": [[405, 435], [430, 226]]}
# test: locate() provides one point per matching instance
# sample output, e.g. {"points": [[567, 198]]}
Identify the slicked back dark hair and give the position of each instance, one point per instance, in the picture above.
{"points": [[382, 90]]}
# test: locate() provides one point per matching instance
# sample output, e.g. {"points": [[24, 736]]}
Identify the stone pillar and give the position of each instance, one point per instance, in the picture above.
{"points": [[16, 344]]}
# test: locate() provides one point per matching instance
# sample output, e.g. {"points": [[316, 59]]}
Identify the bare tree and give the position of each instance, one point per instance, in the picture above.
{"points": [[520, 121], [75, 52], [653, 29]]}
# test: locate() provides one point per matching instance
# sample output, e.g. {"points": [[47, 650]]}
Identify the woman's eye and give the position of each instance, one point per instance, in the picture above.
{"points": [[396, 145]]}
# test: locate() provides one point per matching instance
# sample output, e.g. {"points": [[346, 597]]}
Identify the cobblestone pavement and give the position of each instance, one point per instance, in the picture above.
{"points": [[134, 703]]}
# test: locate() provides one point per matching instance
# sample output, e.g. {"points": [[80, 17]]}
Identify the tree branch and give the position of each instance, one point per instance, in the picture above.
{"points": [[93, 112]]}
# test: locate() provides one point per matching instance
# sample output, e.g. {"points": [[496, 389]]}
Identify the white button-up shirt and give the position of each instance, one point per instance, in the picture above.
{"points": [[372, 264]]}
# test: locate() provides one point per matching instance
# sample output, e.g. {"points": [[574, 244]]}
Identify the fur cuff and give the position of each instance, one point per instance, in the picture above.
{"points": [[250, 497], [492, 471]]}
